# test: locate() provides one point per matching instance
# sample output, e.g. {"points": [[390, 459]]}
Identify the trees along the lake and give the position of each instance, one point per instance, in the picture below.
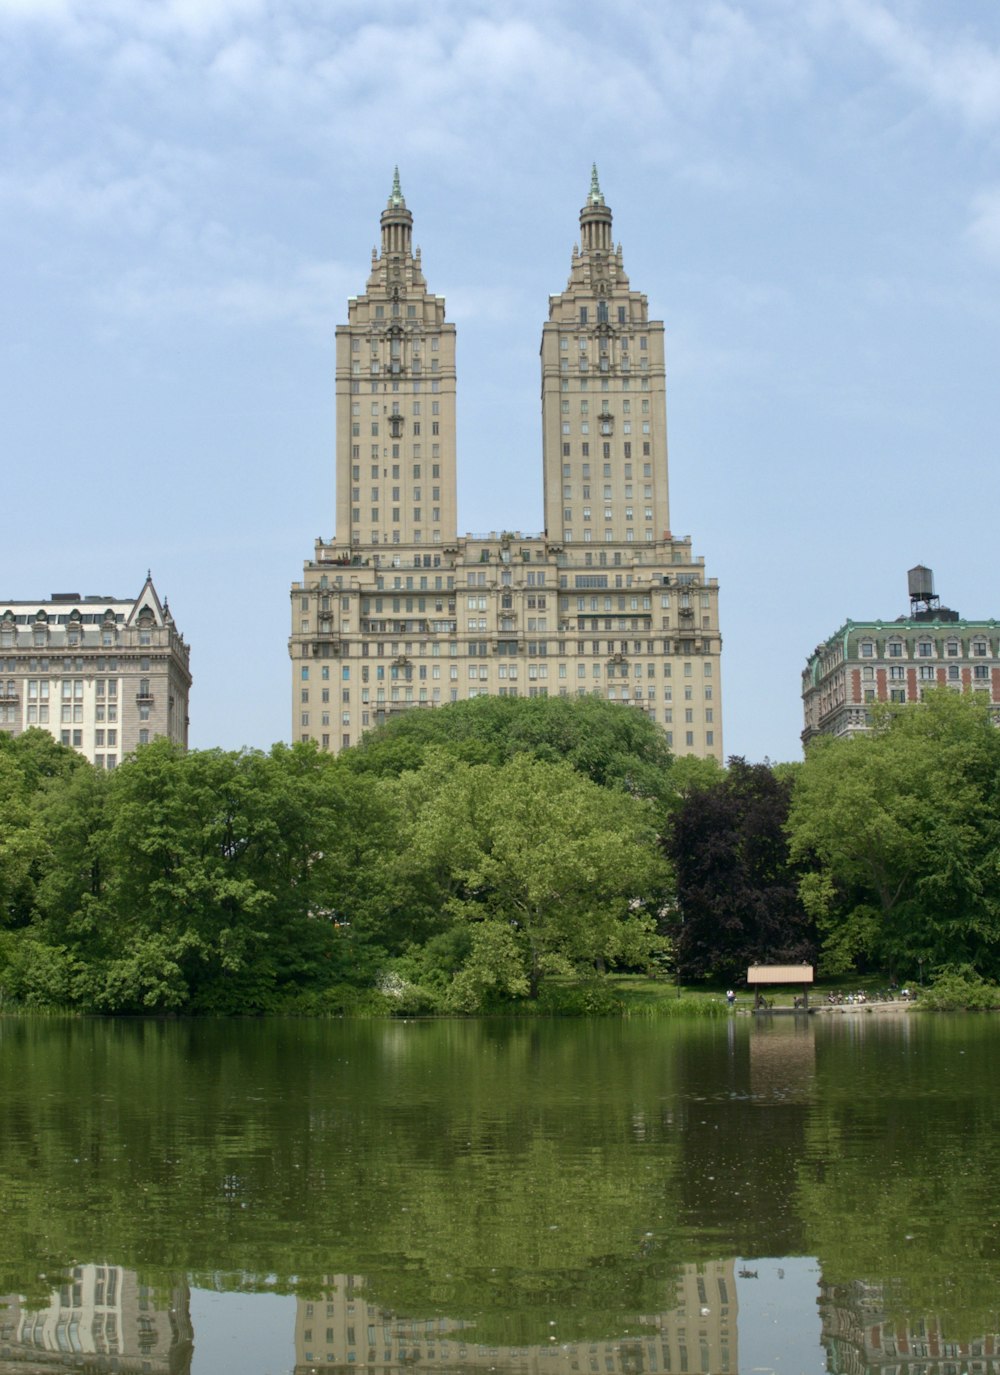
{"points": [[611, 746], [556, 875], [503, 838], [22, 841], [427, 818], [737, 897], [901, 831], [42, 785], [28, 763], [211, 862]]}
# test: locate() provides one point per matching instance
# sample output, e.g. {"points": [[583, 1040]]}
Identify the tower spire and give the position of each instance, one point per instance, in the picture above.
{"points": [[396, 201], [595, 197]]}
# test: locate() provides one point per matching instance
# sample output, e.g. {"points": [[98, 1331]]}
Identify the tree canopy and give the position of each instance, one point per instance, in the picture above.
{"points": [[898, 832], [462, 856], [613, 746], [737, 889]]}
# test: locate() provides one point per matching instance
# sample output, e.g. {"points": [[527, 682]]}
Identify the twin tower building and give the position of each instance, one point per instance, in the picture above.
{"points": [[398, 612]]}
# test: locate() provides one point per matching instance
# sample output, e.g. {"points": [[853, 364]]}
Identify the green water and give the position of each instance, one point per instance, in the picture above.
{"points": [[737, 1195]]}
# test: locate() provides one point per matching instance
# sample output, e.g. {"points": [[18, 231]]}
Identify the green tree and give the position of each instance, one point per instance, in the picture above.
{"points": [[900, 834], [212, 878], [28, 762], [571, 872], [22, 843], [612, 746], [737, 890]]}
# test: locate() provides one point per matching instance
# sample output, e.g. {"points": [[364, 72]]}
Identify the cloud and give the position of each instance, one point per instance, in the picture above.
{"points": [[163, 18], [955, 69], [457, 68], [95, 195], [306, 294]]}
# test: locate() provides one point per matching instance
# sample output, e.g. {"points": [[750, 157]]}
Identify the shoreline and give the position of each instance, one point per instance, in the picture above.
{"points": [[896, 1008]]}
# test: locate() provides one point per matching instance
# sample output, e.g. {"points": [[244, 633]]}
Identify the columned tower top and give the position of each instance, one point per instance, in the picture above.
{"points": [[397, 222], [595, 219]]}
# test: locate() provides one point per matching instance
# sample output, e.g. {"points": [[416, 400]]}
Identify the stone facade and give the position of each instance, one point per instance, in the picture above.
{"points": [[398, 612], [101, 674]]}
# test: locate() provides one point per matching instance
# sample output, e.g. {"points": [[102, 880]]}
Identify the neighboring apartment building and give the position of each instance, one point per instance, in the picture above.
{"points": [[399, 612], [896, 661], [101, 674], [101, 1318], [866, 1331]]}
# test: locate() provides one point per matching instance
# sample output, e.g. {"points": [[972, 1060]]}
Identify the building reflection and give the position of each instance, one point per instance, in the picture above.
{"points": [[783, 1060], [347, 1329], [100, 1319], [862, 1337]]}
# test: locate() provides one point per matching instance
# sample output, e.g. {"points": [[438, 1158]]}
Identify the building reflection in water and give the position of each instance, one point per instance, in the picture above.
{"points": [[861, 1337], [783, 1060], [100, 1319], [347, 1330]]}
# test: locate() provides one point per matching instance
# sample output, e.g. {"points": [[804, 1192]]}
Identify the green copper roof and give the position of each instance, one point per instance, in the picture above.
{"points": [[396, 200], [595, 197]]}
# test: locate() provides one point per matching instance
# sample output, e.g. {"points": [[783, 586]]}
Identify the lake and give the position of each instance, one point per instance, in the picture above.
{"points": [[734, 1195]]}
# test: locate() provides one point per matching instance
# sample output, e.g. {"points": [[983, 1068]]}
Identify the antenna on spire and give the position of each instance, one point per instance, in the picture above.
{"points": [[396, 200], [595, 197]]}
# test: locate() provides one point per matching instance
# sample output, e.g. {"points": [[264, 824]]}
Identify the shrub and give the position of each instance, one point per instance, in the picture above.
{"points": [[958, 987]]}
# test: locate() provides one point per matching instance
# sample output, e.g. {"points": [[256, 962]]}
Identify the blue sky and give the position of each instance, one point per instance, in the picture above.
{"points": [[807, 190]]}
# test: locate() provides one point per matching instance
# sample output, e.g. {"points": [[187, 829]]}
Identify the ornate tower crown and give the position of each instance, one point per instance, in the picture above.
{"points": [[595, 219], [397, 222]]}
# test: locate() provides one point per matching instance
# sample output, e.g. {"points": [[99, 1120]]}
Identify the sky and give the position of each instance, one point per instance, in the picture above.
{"points": [[808, 192]]}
